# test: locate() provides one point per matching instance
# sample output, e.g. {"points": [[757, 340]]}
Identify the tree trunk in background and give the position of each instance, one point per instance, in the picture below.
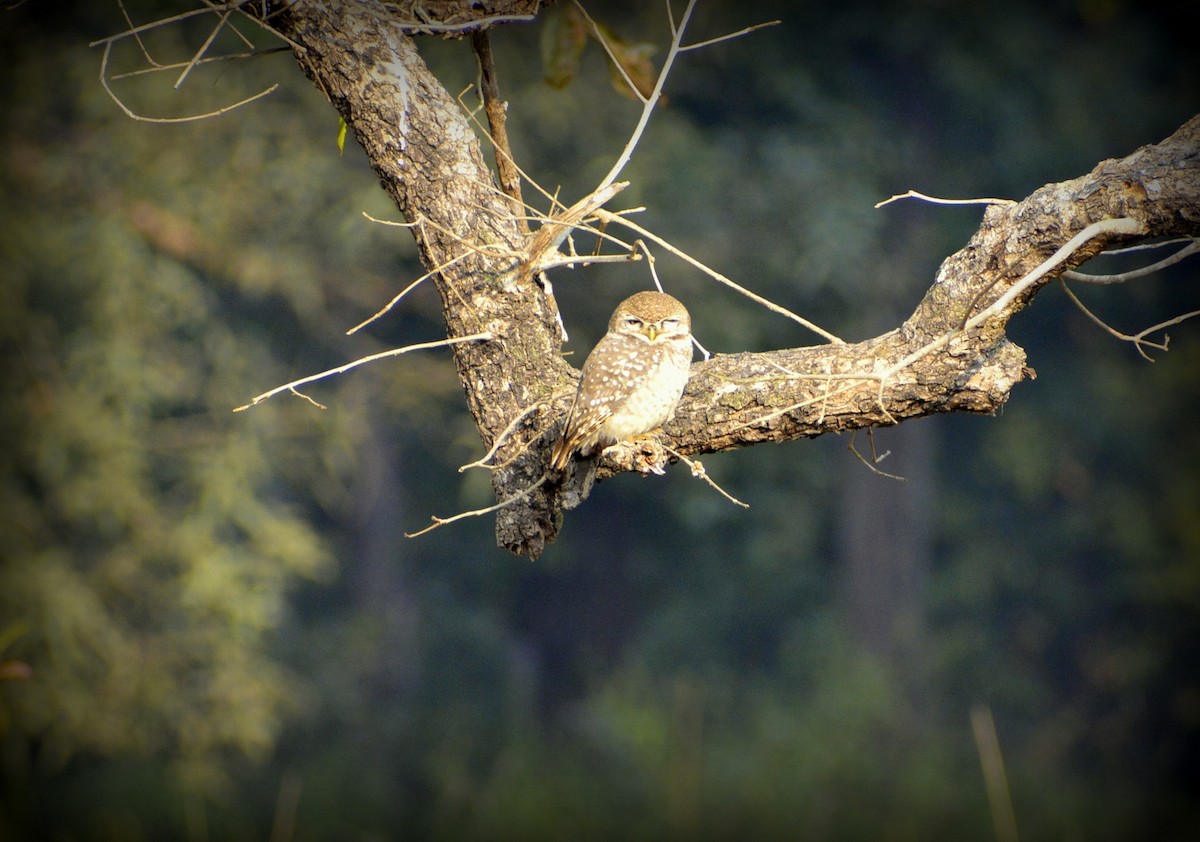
{"points": [[886, 553]]}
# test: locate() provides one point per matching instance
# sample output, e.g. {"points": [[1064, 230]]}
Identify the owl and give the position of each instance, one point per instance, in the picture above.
{"points": [[632, 379]]}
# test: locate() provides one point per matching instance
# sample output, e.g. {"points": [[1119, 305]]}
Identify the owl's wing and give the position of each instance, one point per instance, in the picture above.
{"points": [[576, 432]]}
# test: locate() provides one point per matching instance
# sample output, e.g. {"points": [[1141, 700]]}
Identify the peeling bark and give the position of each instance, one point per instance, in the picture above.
{"points": [[430, 162]]}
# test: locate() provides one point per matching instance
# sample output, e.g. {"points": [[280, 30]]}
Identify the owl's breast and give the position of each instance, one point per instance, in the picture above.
{"points": [[653, 394]]}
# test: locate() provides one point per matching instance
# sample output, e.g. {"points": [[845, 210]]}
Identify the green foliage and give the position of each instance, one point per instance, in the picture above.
{"points": [[152, 537]]}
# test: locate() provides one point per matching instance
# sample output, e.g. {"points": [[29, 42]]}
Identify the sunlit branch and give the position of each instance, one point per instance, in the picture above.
{"points": [[394, 352], [1120, 225], [396, 299], [717, 276], [913, 194], [649, 102], [1121, 277]]}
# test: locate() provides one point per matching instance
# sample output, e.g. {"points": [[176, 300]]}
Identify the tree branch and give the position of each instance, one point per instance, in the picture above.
{"points": [[950, 355]]}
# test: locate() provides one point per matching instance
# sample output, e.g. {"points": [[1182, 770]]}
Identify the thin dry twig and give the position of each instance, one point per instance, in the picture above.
{"points": [[645, 249], [423, 221], [398, 296], [873, 462], [482, 462], [552, 233], [146, 27], [608, 216], [160, 68], [556, 228], [648, 102], [1139, 340], [699, 471], [223, 18], [913, 194], [489, 90], [137, 36], [612, 56], [473, 115], [744, 31], [394, 352], [1191, 248], [442, 521], [224, 11], [133, 115]]}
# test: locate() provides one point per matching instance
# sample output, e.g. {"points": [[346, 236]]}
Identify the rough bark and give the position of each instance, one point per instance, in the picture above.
{"points": [[430, 162]]}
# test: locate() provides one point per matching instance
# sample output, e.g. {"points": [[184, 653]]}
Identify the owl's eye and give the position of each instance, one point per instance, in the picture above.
{"points": [[633, 322]]}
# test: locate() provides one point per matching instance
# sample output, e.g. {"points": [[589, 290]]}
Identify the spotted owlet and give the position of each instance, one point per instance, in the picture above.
{"points": [[632, 379]]}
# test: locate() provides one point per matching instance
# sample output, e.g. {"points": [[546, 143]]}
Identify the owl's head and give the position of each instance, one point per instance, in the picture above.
{"points": [[651, 317]]}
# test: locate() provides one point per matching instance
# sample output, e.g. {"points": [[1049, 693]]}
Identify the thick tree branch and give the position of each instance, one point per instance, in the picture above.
{"points": [[517, 386], [740, 399]]}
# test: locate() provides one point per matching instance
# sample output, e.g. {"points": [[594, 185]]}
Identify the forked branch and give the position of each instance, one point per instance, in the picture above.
{"points": [[950, 355]]}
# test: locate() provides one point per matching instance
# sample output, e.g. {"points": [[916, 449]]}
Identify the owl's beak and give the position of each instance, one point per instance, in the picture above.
{"points": [[652, 332]]}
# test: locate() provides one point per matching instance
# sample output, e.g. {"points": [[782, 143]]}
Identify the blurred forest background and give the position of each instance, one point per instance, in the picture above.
{"points": [[213, 627]]}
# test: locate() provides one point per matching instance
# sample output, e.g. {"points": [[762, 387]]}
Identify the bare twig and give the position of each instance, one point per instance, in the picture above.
{"points": [[699, 471], [394, 352], [137, 36], [745, 31], [135, 116], [1191, 248], [873, 462], [160, 68], [442, 521], [612, 56], [607, 216], [1138, 339], [212, 36], [396, 299], [913, 194], [550, 236], [423, 221], [482, 462], [146, 27], [645, 249], [573, 260], [649, 102], [489, 89]]}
